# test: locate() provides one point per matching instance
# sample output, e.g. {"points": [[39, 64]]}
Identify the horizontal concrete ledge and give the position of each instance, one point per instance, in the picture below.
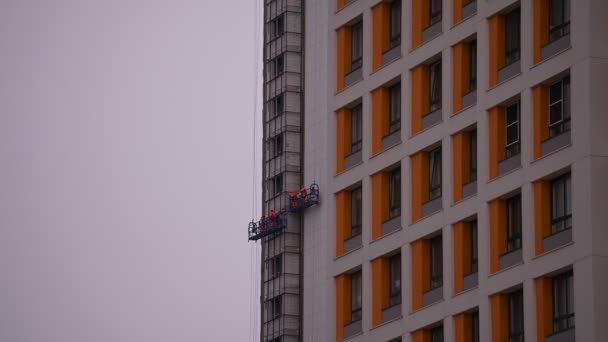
{"points": [[510, 259], [391, 140], [391, 313], [469, 10], [469, 189], [352, 243], [469, 99], [391, 225], [390, 55], [432, 31], [555, 143], [353, 328], [555, 47], [558, 239], [432, 206], [509, 71], [509, 164], [470, 281], [563, 336], [353, 159], [353, 77], [431, 118], [432, 296]]}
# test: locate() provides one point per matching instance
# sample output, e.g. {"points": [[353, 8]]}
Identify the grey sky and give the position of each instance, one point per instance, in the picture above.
{"points": [[125, 170]]}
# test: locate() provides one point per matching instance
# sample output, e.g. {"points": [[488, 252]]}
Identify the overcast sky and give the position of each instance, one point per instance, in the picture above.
{"points": [[125, 170]]}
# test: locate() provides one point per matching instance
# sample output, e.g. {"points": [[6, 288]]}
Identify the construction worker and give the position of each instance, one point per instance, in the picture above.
{"points": [[303, 194], [273, 216], [262, 223], [293, 198]]}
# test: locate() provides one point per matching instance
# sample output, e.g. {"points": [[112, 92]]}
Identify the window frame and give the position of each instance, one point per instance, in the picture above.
{"points": [[274, 266], [563, 319], [395, 28], [435, 86], [435, 190], [395, 280], [514, 223], [436, 262], [356, 227], [515, 301], [563, 103], [276, 146], [394, 189], [394, 104], [276, 27], [356, 55], [435, 14], [356, 310], [513, 148], [273, 185], [356, 126], [559, 27], [564, 220], [513, 36]]}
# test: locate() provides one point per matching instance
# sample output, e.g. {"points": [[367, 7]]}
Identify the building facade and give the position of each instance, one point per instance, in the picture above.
{"points": [[461, 154]]}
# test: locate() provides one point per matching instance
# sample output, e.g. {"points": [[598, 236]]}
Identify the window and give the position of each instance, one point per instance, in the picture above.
{"points": [[475, 327], [435, 173], [356, 211], [276, 27], [436, 262], [512, 37], [513, 205], [356, 45], [395, 280], [435, 86], [274, 308], [395, 24], [516, 316], [512, 130], [355, 279], [473, 155], [274, 266], [278, 339], [434, 12], [563, 302], [356, 128], [275, 146], [275, 185], [395, 193], [275, 106], [474, 248], [473, 65], [275, 67], [559, 107], [394, 93], [437, 334], [559, 19], [561, 206]]}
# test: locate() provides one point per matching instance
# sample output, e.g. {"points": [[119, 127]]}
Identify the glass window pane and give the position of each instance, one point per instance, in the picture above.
{"points": [[555, 113], [555, 92], [566, 98], [568, 197]]}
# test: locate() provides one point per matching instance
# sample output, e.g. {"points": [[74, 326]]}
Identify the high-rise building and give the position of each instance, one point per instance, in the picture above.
{"points": [[460, 152]]}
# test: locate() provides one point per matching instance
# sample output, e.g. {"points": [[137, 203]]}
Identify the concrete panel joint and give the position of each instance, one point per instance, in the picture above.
{"points": [[391, 140], [510, 259], [555, 143], [509, 71], [432, 206], [391, 313], [556, 240], [555, 47], [391, 225]]}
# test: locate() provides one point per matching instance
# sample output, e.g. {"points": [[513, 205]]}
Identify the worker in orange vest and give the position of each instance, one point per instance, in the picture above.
{"points": [[303, 194], [273, 216]]}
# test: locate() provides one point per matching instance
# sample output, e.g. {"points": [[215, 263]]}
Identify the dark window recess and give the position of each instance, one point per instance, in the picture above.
{"points": [[513, 205], [473, 155], [434, 12], [475, 327], [395, 24], [275, 67], [274, 308], [356, 211], [356, 46], [275, 106], [435, 173], [356, 129], [559, 19], [394, 199], [473, 65], [274, 266], [356, 301], [516, 316], [394, 93], [559, 107], [474, 248], [437, 334], [436, 262], [561, 204], [395, 280], [275, 185], [435, 86], [512, 143], [275, 146], [563, 302], [512, 37], [276, 27]]}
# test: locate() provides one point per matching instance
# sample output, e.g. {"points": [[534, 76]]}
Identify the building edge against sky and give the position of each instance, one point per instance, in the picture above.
{"points": [[460, 151]]}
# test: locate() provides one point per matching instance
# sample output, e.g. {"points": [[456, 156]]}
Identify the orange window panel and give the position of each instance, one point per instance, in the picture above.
{"points": [[497, 47], [540, 108], [462, 254], [343, 137], [420, 20], [421, 335], [343, 304], [542, 214], [420, 182], [461, 154], [340, 4], [380, 205], [380, 287], [461, 74], [544, 308], [343, 55], [380, 32], [457, 11], [496, 123], [421, 271], [463, 330], [380, 121], [343, 220], [540, 26], [420, 96], [498, 233], [500, 318]]}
